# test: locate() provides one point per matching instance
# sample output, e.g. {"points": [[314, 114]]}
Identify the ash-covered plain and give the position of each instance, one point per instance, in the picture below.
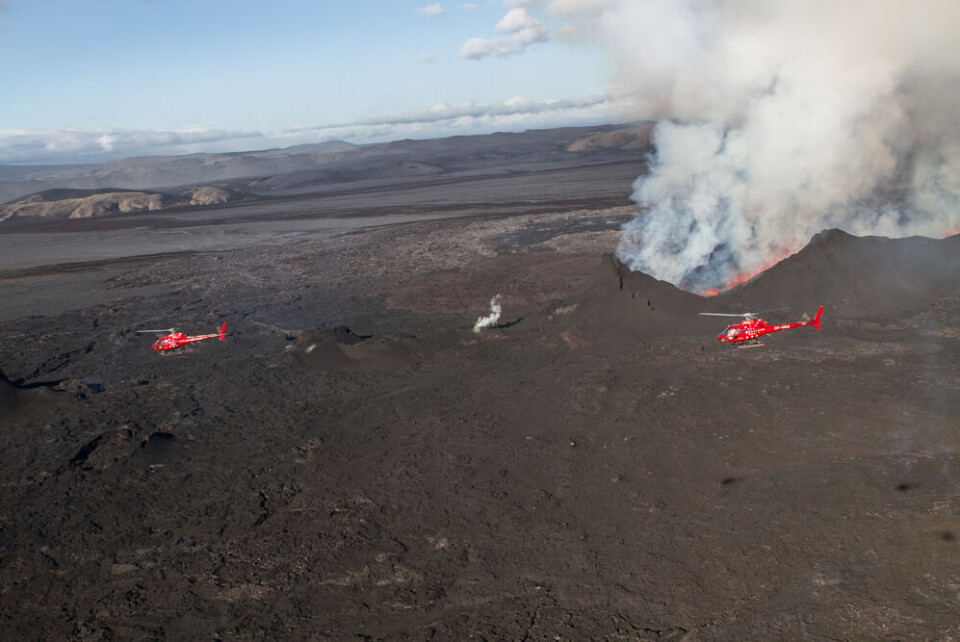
{"points": [[356, 462]]}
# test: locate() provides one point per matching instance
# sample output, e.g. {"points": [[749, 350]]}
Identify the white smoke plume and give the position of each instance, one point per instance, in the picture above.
{"points": [[490, 319], [779, 118]]}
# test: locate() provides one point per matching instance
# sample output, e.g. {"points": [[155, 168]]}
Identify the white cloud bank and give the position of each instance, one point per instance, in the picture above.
{"points": [[75, 144], [97, 144]]}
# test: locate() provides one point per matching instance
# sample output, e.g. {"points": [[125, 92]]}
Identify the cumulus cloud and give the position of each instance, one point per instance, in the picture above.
{"points": [[470, 6], [520, 31], [517, 20], [432, 10], [477, 48], [79, 145]]}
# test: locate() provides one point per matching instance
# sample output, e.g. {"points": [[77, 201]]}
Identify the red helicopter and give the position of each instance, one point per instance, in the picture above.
{"points": [[748, 332], [176, 339]]}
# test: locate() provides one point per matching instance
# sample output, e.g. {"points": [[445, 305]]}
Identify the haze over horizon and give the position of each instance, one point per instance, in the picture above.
{"points": [[97, 81]]}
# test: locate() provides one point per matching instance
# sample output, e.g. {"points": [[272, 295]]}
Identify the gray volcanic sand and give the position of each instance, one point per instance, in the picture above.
{"points": [[599, 467]]}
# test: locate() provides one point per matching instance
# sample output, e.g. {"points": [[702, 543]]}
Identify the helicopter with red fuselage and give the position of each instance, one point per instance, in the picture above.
{"points": [[176, 339], [748, 332]]}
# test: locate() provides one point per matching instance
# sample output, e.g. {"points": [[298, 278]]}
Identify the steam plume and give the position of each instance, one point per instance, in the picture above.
{"points": [[781, 118], [490, 319]]}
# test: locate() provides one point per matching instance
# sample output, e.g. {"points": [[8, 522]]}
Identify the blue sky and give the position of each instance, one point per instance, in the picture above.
{"points": [[94, 79]]}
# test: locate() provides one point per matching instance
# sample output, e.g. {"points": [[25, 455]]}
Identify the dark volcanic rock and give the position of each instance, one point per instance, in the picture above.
{"points": [[633, 305], [159, 447], [601, 470], [857, 276], [339, 349], [9, 399]]}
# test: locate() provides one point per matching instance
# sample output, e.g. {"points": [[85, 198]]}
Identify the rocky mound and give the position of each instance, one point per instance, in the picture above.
{"points": [[340, 349], [99, 203], [857, 276], [208, 195], [76, 203], [159, 448], [627, 138], [632, 305]]}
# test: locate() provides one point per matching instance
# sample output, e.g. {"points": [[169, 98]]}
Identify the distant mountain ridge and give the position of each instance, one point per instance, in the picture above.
{"points": [[303, 167]]}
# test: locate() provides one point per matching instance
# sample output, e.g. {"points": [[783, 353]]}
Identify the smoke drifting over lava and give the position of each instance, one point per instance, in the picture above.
{"points": [[780, 119]]}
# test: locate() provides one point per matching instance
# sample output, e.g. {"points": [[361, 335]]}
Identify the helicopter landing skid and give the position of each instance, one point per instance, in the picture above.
{"points": [[751, 344]]}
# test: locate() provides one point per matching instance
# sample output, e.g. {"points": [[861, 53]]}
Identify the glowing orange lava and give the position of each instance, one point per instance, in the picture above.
{"points": [[742, 277]]}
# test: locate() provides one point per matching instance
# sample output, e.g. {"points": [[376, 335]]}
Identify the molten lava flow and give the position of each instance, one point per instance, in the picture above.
{"points": [[742, 277]]}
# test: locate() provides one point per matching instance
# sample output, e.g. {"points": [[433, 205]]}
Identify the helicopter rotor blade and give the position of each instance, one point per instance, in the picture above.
{"points": [[155, 331], [721, 314], [745, 315]]}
